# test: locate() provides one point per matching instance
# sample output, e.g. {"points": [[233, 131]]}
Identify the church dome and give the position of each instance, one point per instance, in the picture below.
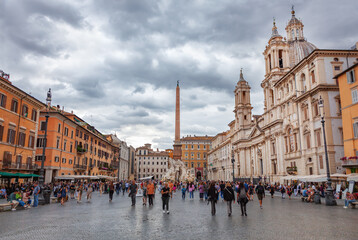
{"points": [[298, 50]]}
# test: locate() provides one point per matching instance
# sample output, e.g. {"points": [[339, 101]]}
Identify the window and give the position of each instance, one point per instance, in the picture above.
{"points": [[311, 170], [59, 128], [198, 155], [313, 78], [21, 140], [2, 100], [1, 132], [11, 136], [337, 68], [25, 110], [66, 131], [198, 164], [198, 146], [57, 159], [31, 141], [320, 162], [350, 77], [315, 109], [58, 143], [308, 141], [64, 146], [40, 142], [63, 160], [71, 134], [318, 138], [34, 115], [192, 165], [14, 104], [71, 147], [43, 126], [186, 146], [355, 129], [70, 161], [354, 96]]}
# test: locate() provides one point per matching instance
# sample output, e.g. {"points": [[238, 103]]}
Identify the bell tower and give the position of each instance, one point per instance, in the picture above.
{"points": [[242, 103]]}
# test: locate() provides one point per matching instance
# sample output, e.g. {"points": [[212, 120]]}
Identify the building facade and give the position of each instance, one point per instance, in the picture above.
{"points": [[74, 147], [132, 165], [19, 113], [194, 153], [287, 137], [348, 87], [151, 163]]}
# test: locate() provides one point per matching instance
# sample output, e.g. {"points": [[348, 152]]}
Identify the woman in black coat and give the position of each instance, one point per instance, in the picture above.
{"points": [[212, 197], [242, 198], [229, 196]]}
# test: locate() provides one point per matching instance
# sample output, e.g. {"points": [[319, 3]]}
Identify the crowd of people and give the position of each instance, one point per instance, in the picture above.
{"points": [[26, 195]]}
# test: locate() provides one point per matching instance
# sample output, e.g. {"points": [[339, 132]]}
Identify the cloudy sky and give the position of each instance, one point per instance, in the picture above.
{"points": [[115, 63]]}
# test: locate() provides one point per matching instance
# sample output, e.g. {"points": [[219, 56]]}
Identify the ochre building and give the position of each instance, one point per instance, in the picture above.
{"points": [[19, 113], [348, 88]]}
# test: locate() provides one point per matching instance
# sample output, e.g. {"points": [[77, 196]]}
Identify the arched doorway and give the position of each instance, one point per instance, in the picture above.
{"points": [[198, 175]]}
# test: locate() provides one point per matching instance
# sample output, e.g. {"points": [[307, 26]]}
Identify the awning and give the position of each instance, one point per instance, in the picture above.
{"points": [[352, 177], [16, 175]]}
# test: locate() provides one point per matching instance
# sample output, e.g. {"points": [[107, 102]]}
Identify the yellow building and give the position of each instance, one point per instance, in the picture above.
{"points": [[19, 113], [348, 89], [194, 153]]}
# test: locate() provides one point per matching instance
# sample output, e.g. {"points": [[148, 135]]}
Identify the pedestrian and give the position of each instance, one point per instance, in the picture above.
{"points": [[72, 190], [165, 198], [272, 190], [206, 188], [183, 191], [289, 192], [222, 186], [213, 195], [150, 192], [89, 192], [117, 188], [191, 190], [133, 188], [242, 198], [229, 196], [145, 193], [201, 190], [260, 191], [283, 190], [63, 191], [251, 192], [111, 190], [36, 194], [79, 190]]}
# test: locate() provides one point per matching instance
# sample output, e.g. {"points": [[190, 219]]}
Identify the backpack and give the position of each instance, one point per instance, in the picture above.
{"points": [[260, 189], [242, 193]]}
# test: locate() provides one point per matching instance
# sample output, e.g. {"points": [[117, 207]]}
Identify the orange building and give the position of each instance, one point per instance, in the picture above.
{"points": [[74, 147], [18, 127], [170, 152], [348, 89], [194, 153]]}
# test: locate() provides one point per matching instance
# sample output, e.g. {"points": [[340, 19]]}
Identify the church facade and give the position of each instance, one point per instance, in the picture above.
{"points": [[287, 138]]}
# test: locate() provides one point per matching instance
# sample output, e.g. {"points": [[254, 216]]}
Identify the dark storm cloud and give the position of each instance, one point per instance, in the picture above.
{"points": [[119, 60]]}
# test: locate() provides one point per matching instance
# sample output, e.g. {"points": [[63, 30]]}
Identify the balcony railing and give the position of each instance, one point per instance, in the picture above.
{"points": [[80, 167], [350, 163], [11, 165], [81, 150]]}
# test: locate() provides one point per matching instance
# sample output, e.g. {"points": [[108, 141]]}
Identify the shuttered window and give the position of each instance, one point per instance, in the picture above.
{"points": [[2, 100], [21, 140], [25, 110], [1, 132], [350, 77], [11, 136], [14, 105], [355, 129], [34, 115], [31, 141], [354, 95]]}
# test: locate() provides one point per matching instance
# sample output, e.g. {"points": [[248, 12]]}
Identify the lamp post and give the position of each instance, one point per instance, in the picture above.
{"points": [[330, 201], [233, 164], [42, 171]]}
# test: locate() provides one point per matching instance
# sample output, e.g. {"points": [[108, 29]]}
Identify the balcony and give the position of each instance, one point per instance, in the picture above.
{"points": [[81, 150], [291, 170], [351, 162], [18, 166], [80, 167]]}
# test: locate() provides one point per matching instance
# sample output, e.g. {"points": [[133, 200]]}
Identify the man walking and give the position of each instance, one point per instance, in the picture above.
{"points": [[150, 192], [133, 192], [36, 195], [165, 197], [111, 191], [260, 191]]}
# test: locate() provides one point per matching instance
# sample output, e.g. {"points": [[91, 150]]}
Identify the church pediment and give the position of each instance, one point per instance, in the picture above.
{"points": [[256, 131]]}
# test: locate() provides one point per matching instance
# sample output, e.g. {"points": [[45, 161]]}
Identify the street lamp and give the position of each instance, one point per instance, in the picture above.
{"points": [[233, 163], [42, 171], [330, 201]]}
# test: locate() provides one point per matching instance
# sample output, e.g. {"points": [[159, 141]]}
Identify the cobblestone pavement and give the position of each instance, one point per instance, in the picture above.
{"points": [[188, 219]]}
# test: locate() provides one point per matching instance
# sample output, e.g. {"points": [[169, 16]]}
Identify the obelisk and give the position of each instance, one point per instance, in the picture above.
{"points": [[177, 144]]}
